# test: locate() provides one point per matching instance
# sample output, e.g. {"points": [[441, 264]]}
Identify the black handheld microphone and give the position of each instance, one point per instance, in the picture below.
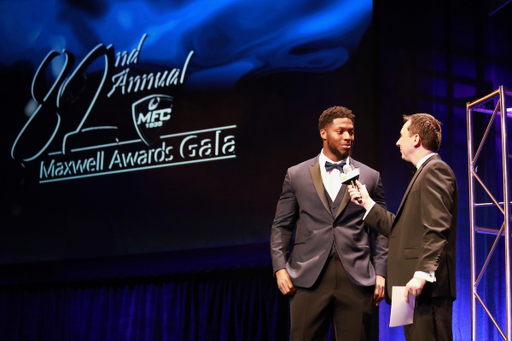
{"points": [[347, 169]]}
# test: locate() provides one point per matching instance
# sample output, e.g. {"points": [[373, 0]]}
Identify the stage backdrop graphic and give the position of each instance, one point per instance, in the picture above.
{"points": [[134, 127]]}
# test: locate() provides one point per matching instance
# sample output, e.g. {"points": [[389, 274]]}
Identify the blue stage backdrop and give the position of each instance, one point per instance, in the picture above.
{"points": [[148, 126], [148, 138]]}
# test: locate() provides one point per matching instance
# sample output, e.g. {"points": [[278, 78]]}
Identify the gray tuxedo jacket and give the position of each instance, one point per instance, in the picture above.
{"points": [[304, 229], [422, 235]]}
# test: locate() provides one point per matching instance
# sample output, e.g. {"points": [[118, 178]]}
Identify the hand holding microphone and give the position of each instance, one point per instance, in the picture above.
{"points": [[347, 169], [358, 193]]}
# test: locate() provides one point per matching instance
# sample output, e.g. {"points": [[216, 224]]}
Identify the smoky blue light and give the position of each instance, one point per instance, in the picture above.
{"points": [[231, 38]]}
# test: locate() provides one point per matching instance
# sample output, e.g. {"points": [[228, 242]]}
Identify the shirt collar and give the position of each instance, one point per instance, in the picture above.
{"points": [[423, 159], [322, 159]]}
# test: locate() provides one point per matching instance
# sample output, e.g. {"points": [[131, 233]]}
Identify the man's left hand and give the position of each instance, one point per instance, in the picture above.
{"points": [[378, 294], [414, 287]]}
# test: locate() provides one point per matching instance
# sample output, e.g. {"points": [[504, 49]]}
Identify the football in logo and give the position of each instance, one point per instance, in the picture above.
{"points": [[150, 114]]}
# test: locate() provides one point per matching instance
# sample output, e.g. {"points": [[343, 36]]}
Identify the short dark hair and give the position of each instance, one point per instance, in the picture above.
{"points": [[428, 128], [333, 113]]}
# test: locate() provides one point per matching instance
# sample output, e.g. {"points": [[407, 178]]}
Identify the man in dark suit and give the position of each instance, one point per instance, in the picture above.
{"points": [[336, 265], [422, 235]]}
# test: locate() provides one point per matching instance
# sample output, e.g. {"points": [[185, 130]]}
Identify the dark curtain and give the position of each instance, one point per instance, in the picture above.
{"points": [[233, 305], [205, 295]]}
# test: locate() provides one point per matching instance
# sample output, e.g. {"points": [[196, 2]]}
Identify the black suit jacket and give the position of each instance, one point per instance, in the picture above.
{"points": [[303, 212], [422, 235]]}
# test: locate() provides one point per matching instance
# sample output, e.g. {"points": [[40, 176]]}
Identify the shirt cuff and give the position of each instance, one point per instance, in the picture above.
{"points": [[429, 276], [366, 213]]}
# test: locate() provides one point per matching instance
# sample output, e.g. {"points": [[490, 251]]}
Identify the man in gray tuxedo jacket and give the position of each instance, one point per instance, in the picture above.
{"points": [[422, 234], [323, 255]]}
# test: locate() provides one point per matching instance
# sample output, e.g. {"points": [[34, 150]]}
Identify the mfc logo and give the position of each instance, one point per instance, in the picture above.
{"points": [[150, 114]]}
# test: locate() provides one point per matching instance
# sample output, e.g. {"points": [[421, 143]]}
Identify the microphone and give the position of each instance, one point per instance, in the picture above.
{"points": [[352, 176]]}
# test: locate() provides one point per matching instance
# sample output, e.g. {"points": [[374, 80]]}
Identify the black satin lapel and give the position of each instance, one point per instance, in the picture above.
{"points": [[316, 176], [345, 200], [413, 180]]}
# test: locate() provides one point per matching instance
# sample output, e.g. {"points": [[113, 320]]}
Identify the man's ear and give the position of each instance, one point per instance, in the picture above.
{"points": [[323, 134], [417, 140]]}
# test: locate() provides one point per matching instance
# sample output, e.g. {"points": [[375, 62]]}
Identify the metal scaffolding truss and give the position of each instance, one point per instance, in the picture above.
{"points": [[498, 117]]}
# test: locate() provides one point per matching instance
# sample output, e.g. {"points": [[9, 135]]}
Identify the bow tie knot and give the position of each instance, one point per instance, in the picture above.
{"points": [[330, 166]]}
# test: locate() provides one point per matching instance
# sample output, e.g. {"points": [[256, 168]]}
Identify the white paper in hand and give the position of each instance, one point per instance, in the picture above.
{"points": [[401, 312]]}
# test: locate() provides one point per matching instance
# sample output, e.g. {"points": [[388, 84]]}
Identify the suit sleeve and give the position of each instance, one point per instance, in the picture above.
{"points": [[380, 219], [437, 198], [380, 245], [283, 225]]}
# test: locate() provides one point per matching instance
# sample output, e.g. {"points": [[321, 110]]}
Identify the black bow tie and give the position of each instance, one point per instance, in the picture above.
{"points": [[330, 166]]}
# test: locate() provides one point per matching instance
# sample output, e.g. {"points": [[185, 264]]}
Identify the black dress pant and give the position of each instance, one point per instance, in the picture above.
{"points": [[432, 320], [333, 298]]}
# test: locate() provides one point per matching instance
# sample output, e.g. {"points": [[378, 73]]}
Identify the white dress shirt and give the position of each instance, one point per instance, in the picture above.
{"points": [[332, 179]]}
